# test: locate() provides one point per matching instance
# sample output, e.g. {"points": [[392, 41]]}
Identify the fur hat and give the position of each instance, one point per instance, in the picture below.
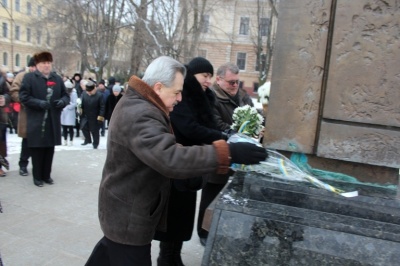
{"points": [[90, 85], [200, 65], [68, 84], [43, 57], [77, 75], [31, 62], [116, 88]]}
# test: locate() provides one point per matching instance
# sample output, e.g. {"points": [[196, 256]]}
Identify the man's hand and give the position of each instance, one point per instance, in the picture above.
{"points": [[59, 104], [45, 105], [100, 120], [247, 153]]}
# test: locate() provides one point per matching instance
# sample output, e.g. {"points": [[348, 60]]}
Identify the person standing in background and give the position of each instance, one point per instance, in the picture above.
{"points": [[44, 95], [228, 97], [92, 114], [106, 93], [4, 101], [68, 114], [14, 92], [112, 101]]}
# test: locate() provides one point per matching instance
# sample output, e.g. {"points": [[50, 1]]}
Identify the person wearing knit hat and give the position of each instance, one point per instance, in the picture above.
{"points": [[112, 101], [193, 123], [201, 65], [228, 96], [93, 111], [68, 115], [116, 88]]}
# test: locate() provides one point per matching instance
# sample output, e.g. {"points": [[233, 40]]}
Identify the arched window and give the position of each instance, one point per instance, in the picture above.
{"points": [[17, 60], [5, 59], [28, 58]]}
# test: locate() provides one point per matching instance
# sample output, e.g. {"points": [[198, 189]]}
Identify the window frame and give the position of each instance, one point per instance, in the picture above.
{"points": [[239, 60], [244, 27]]}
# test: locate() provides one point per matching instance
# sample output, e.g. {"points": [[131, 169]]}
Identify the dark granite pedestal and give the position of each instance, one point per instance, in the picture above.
{"points": [[261, 221]]}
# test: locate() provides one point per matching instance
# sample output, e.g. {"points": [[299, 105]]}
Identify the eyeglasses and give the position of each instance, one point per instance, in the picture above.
{"points": [[231, 82]]}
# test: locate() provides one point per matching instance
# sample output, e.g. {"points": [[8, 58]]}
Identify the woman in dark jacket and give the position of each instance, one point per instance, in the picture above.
{"points": [[193, 124], [112, 101]]}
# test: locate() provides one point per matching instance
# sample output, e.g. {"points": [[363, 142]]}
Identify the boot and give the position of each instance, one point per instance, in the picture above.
{"points": [[177, 260], [71, 143], [166, 254], [65, 143]]}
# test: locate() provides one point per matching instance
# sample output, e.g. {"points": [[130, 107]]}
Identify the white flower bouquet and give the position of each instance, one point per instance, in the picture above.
{"points": [[247, 120]]}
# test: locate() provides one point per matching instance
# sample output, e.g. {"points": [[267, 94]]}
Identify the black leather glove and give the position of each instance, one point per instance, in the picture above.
{"points": [[59, 104], [45, 105], [247, 153]]}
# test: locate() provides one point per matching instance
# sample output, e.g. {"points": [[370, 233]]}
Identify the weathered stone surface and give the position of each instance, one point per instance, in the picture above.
{"points": [[297, 74], [259, 220], [364, 73], [367, 145]]}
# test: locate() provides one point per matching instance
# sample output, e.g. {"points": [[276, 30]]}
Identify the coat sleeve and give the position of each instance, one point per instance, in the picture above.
{"points": [[25, 93], [102, 108], [15, 86], [221, 125], [184, 121], [154, 145]]}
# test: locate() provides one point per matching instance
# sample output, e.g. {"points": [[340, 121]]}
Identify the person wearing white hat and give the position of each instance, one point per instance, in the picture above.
{"points": [[68, 114]]}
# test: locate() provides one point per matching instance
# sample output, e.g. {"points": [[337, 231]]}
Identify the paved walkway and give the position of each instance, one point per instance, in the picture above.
{"points": [[57, 224]]}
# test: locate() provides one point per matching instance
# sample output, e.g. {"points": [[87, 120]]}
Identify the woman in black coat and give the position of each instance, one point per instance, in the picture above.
{"points": [[193, 124]]}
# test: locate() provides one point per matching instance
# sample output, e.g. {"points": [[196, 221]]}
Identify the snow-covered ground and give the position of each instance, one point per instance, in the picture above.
{"points": [[14, 144]]}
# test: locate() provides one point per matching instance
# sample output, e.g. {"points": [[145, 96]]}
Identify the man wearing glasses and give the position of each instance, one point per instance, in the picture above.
{"points": [[228, 97]]}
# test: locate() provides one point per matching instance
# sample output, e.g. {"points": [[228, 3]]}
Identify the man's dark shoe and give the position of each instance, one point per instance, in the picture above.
{"points": [[23, 171], [94, 146], [37, 182], [203, 241], [49, 181], [85, 143]]}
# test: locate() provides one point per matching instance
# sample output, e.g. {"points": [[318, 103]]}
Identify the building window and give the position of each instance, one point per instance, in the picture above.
{"points": [[202, 53], [28, 35], [39, 37], [48, 39], [39, 11], [264, 24], [244, 26], [17, 60], [29, 8], [17, 33], [205, 23], [28, 58], [261, 62], [17, 5], [5, 3], [5, 30], [5, 59], [241, 61]]}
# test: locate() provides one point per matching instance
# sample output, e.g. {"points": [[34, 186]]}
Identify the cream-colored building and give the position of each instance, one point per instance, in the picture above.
{"points": [[229, 34], [20, 38]]}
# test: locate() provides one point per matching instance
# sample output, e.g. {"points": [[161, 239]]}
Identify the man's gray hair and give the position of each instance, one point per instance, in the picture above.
{"points": [[227, 66], [163, 69]]}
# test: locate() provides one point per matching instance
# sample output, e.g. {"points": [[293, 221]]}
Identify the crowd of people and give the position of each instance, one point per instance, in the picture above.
{"points": [[60, 107], [175, 147]]}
